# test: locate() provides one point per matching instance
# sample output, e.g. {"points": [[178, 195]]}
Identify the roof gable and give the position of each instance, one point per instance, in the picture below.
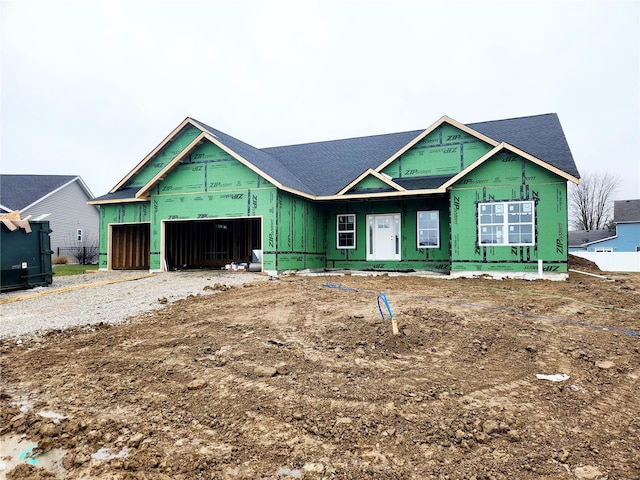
{"points": [[371, 182], [330, 169], [183, 140], [19, 192], [205, 167], [445, 150], [502, 147], [465, 131]]}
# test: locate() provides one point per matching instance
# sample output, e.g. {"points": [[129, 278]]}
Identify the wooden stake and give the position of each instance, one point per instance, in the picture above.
{"points": [[394, 325]]}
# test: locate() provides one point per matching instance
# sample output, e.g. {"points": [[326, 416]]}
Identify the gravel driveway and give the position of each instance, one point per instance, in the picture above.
{"points": [[109, 297]]}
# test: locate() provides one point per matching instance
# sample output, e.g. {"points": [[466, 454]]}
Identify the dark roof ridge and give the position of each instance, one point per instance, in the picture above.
{"points": [[511, 119], [375, 135], [400, 132]]}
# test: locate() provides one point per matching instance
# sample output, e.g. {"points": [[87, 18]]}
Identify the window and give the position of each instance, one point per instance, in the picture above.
{"points": [[79, 235], [604, 249], [428, 229], [506, 223], [346, 231]]}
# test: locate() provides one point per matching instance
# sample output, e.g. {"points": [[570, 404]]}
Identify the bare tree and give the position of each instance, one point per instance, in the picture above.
{"points": [[591, 203]]}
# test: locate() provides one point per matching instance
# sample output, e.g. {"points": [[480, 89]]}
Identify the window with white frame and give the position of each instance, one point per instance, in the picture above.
{"points": [[79, 235], [346, 231], [604, 249], [506, 223], [428, 229]]}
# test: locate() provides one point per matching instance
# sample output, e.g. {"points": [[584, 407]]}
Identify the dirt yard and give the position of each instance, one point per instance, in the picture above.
{"points": [[300, 377]]}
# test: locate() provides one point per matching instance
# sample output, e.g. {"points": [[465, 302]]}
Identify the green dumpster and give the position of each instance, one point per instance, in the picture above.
{"points": [[25, 255]]}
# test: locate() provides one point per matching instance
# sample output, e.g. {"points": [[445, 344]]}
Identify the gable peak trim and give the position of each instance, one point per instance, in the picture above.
{"points": [[143, 192], [506, 146], [172, 135], [434, 126], [370, 172]]}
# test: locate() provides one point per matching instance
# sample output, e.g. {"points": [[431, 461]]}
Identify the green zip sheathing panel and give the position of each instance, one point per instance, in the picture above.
{"points": [[164, 157], [509, 177], [411, 257], [370, 184], [209, 169], [301, 234], [445, 151]]}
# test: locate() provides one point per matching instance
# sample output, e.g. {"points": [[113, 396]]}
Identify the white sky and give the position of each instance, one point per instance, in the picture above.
{"points": [[89, 88]]}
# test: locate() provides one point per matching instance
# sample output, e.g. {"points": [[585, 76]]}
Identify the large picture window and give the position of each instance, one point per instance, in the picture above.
{"points": [[428, 229], [346, 231], [506, 223]]}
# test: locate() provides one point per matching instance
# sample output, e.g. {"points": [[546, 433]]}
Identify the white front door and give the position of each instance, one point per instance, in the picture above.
{"points": [[383, 237]]}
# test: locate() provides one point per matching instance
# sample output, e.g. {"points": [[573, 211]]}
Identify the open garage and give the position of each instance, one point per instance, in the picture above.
{"points": [[210, 243]]}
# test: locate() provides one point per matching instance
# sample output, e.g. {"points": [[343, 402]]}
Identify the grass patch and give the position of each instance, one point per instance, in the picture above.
{"points": [[63, 270]]}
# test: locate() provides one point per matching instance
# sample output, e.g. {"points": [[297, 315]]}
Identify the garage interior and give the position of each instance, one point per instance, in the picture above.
{"points": [[130, 246], [210, 243]]}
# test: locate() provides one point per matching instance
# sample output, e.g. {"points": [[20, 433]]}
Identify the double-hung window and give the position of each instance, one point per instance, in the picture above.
{"points": [[506, 223], [346, 231], [428, 229]]}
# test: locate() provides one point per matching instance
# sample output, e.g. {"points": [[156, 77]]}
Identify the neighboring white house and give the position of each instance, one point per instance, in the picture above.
{"points": [[612, 250], [62, 200]]}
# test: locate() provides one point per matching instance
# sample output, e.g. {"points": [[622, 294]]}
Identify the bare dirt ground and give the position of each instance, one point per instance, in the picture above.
{"points": [[300, 377]]}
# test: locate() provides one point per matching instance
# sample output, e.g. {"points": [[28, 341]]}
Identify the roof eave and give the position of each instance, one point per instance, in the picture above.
{"points": [[117, 200], [404, 193], [599, 241]]}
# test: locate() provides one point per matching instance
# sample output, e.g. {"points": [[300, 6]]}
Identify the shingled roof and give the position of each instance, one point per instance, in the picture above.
{"points": [[626, 211], [328, 166], [582, 238], [18, 192], [325, 168], [539, 135]]}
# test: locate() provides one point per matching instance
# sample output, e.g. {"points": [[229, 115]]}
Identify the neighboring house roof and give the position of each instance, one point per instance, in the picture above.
{"points": [[582, 238], [626, 211], [329, 168], [20, 192]]}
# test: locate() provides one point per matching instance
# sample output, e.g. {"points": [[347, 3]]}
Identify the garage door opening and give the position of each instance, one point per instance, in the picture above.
{"points": [[130, 245], [210, 243]]}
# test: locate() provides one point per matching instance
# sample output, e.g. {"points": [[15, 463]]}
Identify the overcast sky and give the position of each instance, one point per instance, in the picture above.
{"points": [[89, 88]]}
